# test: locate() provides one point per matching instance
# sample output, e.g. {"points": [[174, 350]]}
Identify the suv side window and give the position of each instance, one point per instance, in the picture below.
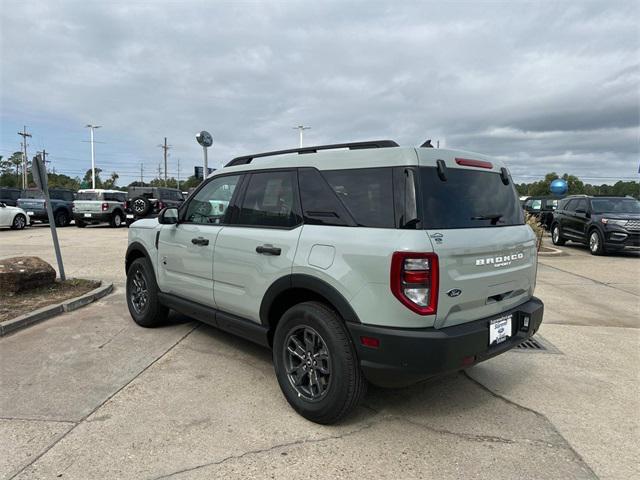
{"points": [[536, 204], [367, 193], [570, 206], [270, 200], [581, 204], [210, 204], [320, 206]]}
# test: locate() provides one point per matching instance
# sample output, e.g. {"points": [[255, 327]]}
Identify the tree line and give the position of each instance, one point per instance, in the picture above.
{"points": [[11, 176], [576, 186]]}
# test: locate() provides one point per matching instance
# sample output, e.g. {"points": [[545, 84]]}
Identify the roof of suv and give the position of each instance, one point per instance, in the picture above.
{"points": [[380, 153]]}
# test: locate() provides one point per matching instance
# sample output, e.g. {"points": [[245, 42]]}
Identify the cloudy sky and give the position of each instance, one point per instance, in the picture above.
{"points": [[546, 85]]}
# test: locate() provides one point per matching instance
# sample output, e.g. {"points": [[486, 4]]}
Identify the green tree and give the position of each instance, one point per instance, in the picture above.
{"points": [[110, 183]]}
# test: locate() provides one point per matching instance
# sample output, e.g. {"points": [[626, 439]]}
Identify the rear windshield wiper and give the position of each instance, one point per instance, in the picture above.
{"points": [[494, 217]]}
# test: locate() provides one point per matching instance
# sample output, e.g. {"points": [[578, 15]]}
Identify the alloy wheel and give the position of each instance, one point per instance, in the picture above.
{"points": [[594, 241], [307, 363], [139, 293], [556, 234], [19, 222]]}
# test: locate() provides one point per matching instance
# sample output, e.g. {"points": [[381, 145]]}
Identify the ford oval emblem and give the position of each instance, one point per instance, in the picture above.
{"points": [[454, 292]]}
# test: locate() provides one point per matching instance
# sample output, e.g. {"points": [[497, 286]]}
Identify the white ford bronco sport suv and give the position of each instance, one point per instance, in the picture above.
{"points": [[353, 262]]}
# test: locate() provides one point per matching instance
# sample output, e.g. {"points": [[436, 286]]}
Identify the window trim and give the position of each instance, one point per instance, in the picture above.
{"points": [[295, 208], [348, 215], [184, 206]]}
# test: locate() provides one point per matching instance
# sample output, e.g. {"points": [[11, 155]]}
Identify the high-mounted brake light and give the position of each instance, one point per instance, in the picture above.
{"points": [[467, 162], [414, 280]]}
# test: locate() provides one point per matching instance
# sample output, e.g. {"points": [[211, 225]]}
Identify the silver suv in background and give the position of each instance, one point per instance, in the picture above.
{"points": [[355, 263], [99, 206]]}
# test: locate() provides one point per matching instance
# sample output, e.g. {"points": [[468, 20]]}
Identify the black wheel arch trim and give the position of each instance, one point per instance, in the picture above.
{"points": [[134, 247], [313, 284]]}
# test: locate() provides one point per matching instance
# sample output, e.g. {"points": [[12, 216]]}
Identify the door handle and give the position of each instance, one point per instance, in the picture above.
{"points": [[200, 241], [268, 250]]}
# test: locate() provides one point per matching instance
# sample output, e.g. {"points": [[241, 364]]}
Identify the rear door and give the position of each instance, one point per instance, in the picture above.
{"points": [[487, 256], [185, 250], [88, 203], [259, 246]]}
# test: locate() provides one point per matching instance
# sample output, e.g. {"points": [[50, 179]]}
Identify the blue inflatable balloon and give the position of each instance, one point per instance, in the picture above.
{"points": [[559, 187]]}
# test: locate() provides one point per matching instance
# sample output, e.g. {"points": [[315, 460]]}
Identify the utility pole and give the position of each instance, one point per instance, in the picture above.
{"points": [[301, 128], [25, 158], [178, 174], [165, 148], [160, 172], [44, 158], [93, 156], [141, 173]]}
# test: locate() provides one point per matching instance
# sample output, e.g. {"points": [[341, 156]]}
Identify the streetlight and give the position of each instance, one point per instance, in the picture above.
{"points": [[301, 128], [93, 156], [205, 140]]}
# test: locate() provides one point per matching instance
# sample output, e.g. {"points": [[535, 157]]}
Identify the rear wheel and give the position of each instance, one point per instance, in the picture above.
{"points": [[61, 218], [116, 220], [596, 243], [316, 364], [19, 222], [556, 235], [142, 295]]}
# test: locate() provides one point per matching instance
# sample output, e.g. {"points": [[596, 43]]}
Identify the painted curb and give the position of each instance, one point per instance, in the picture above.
{"points": [[555, 251], [45, 313]]}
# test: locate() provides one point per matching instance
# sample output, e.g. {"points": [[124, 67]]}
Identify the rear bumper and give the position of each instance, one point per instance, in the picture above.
{"points": [[406, 356], [35, 214], [95, 217]]}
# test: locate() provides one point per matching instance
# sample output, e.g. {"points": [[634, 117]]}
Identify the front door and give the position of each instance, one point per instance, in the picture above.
{"points": [[185, 250], [259, 246]]}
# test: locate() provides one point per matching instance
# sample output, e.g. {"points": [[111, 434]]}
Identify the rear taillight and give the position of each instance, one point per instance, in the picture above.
{"points": [[414, 281], [105, 207], [126, 204], [159, 205]]}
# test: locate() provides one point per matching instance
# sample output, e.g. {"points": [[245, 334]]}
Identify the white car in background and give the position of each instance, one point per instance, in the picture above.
{"points": [[13, 217]]}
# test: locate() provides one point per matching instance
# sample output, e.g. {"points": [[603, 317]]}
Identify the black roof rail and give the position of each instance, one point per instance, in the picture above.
{"points": [[351, 146]]}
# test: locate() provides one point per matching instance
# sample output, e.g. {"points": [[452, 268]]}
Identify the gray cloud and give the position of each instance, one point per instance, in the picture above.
{"points": [[544, 85]]}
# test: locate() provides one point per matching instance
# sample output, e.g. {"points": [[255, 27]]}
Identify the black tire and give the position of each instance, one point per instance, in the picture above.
{"points": [[116, 220], [596, 243], [19, 222], [140, 206], [556, 235], [80, 224], [336, 393], [61, 218], [147, 313]]}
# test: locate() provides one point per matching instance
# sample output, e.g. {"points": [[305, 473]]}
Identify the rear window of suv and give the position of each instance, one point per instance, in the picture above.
{"points": [[89, 196], [467, 199]]}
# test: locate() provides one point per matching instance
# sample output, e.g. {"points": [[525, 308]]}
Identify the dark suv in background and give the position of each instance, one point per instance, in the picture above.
{"points": [[605, 224], [32, 201], [146, 202], [542, 208], [9, 195]]}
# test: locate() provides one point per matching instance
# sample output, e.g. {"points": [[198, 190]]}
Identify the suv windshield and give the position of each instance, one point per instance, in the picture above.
{"points": [[615, 205], [467, 199], [89, 196]]}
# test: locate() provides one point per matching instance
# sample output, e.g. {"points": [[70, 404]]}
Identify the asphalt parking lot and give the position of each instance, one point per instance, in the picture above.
{"points": [[91, 395]]}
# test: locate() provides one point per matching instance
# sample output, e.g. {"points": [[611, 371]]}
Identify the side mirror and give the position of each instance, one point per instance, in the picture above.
{"points": [[168, 216]]}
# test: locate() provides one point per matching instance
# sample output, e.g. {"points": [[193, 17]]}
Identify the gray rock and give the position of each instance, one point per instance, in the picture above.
{"points": [[18, 274]]}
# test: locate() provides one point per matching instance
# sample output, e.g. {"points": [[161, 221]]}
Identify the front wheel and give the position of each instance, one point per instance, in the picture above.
{"points": [[142, 295], [556, 237], [596, 243], [316, 365], [19, 222]]}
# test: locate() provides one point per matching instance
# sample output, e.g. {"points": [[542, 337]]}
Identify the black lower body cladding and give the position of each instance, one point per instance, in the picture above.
{"points": [[407, 356]]}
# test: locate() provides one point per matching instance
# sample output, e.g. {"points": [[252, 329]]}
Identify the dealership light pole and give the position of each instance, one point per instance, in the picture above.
{"points": [[93, 155], [301, 128], [205, 140]]}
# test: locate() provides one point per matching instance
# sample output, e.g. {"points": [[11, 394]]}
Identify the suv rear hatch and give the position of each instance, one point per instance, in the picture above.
{"points": [[89, 202], [31, 200], [487, 255]]}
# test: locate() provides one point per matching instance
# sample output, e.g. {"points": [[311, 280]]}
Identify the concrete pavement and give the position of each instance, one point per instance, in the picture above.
{"points": [[90, 395]]}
